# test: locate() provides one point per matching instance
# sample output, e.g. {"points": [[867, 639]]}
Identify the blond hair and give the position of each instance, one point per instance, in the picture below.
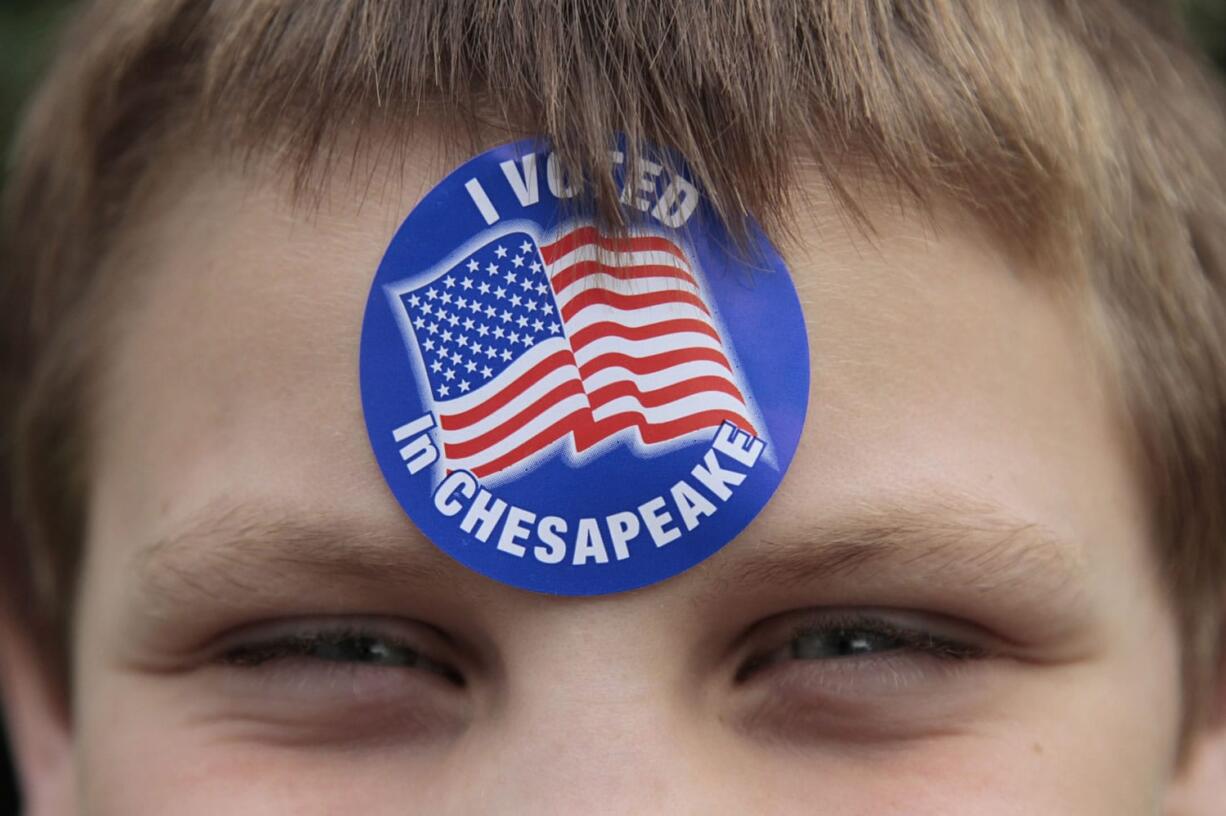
{"points": [[1084, 130]]}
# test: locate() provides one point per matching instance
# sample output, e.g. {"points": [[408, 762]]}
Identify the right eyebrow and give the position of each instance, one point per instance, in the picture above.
{"points": [[244, 553]]}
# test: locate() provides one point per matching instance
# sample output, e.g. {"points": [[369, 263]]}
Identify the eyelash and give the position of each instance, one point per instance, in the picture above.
{"points": [[911, 640], [305, 645]]}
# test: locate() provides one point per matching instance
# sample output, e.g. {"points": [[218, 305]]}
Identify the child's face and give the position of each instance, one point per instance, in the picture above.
{"points": [[962, 475]]}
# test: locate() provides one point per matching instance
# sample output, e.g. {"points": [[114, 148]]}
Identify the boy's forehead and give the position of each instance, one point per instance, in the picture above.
{"points": [[935, 369]]}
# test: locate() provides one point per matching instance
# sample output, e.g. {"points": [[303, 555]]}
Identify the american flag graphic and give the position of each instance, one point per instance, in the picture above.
{"points": [[585, 337]]}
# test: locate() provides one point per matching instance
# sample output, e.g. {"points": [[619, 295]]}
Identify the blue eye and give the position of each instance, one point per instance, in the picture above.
{"points": [[354, 648], [840, 642], [849, 637]]}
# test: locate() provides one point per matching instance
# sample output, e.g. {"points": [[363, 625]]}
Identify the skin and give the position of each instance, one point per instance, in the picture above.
{"points": [[963, 472]]}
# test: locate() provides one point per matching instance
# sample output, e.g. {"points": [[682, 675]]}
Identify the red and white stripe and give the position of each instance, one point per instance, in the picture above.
{"points": [[644, 341], [543, 401], [641, 351]]}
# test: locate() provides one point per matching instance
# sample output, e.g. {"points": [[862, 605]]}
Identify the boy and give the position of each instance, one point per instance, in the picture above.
{"points": [[990, 582]]}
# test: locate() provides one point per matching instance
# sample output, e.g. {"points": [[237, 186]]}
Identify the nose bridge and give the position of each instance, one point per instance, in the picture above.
{"points": [[593, 720], [574, 753]]}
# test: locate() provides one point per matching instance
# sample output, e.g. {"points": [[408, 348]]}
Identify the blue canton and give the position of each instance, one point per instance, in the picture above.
{"points": [[483, 314]]}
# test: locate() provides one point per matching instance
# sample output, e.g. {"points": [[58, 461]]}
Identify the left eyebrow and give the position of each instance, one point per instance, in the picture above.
{"points": [[939, 546]]}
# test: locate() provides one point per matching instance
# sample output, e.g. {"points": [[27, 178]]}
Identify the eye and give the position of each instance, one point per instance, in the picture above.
{"points": [[851, 637], [342, 646], [868, 676], [339, 681]]}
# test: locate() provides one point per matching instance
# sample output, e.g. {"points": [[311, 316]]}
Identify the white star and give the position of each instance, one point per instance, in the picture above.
{"points": [[430, 293], [443, 390], [547, 308], [525, 247], [463, 340], [477, 348], [468, 324], [455, 357], [443, 351], [514, 338], [554, 328], [501, 252], [432, 328], [426, 308], [449, 374], [484, 288], [419, 322], [518, 260], [540, 288], [526, 283], [473, 266], [510, 277], [446, 336], [492, 269], [490, 311], [441, 315], [446, 297], [485, 372], [470, 366], [452, 320], [449, 281], [521, 321], [475, 306], [467, 283], [461, 302], [414, 301], [506, 355], [530, 305], [537, 325], [528, 340], [499, 333], [535, 266], [516, 300], [464, 386], [429, 344], [506, 317], [500, 293], [436, 366], [483, 330], [491, 352]]}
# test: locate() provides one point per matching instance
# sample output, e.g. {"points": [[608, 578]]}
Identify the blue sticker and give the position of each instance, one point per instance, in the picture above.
{"points": [[570, 411]]}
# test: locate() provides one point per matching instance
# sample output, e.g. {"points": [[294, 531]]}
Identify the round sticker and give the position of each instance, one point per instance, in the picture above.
{"points": [[571, 410]]}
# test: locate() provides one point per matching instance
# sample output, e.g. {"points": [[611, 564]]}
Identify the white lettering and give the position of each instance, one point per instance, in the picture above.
{"points": [[691, 504], [716, 478], [644, 182], [548, 532], [677, 203], [523, 185], [483, 511], [515, 529], [460, 481], [420, 453], [623, 527], [477, 193], [734, 443], [656, 520], [589, 543], [559, 184]]}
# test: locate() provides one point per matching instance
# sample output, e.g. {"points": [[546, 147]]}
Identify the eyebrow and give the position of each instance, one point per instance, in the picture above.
{"points": [[237, 553], [251, 553], [934, 544], [977, 541]]}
